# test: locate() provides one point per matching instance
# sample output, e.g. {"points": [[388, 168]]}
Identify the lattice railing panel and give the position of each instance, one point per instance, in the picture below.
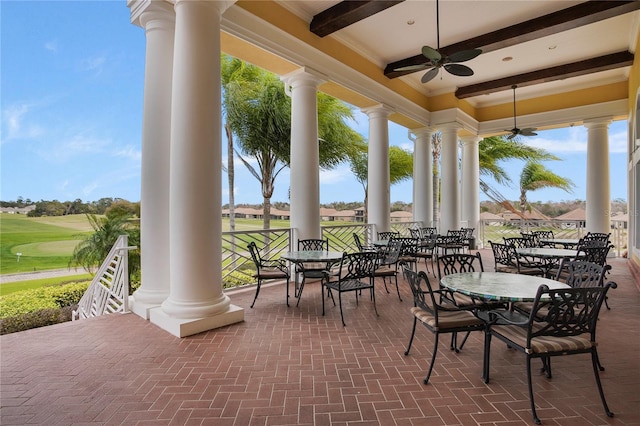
{"points": [[341, 236], [237, 265], [109, 289]]}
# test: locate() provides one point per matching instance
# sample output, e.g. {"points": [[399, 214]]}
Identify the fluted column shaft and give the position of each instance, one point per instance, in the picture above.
{"points": [[598, 209], [158, 20], [470, 211], [450, 196], [422, 177], [302, 86], [379, 204]]}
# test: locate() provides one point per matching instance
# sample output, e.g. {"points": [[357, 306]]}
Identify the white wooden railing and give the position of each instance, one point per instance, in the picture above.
{"points": [[109, 289]]}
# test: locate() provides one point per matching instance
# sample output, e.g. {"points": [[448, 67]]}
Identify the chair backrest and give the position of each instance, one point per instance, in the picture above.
{"points": [[409, 245], [566, 312], [534, 239], [387, 235], [581, 273], [359, 245], [459, 262], [504, 254], [415, 233], [594, 254], [423, 296], [356, 266], [313, 244], [255, 255], [391, 253], [543, 235], [518, 242], [468, 232], [459, 234], [598, 236], [428, 230]]}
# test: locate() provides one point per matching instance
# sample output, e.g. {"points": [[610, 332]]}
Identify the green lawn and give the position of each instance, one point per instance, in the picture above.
{"points": [[43, 243]]}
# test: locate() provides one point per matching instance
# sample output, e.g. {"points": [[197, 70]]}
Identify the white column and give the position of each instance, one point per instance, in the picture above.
{"points": [[379, 204], [158, 20], [598, 190], [302, 86], [450, 199], [470, 211], [196, 301], [422, 177]]}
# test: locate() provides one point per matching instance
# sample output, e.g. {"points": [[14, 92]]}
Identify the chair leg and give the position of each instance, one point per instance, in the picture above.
{"points": [[384, 280], [466, 336], [288, 292], [533, 405], [299, 296], [413, 333], [433, 359], [258, 291], [596, 362], [340, 303], [398, 288], [486, 357]]}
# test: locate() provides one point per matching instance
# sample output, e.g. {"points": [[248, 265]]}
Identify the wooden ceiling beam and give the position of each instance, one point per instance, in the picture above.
{"points": [[553, 23], [588, 66], [346, 13]]}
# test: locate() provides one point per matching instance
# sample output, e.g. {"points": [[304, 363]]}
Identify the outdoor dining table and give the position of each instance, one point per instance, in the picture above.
{"points": [[498, 286], [310, 256], [549, 256], [566, 243]]}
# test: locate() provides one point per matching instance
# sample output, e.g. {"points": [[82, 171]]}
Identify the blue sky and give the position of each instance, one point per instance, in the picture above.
{"points": [[71, 109]]}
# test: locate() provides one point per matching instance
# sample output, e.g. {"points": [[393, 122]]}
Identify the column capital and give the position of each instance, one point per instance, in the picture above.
{"points": [[303, 76], [470, 140], [144, 11], [450, 126], [378, 111], [594, 123], [420, 133]]}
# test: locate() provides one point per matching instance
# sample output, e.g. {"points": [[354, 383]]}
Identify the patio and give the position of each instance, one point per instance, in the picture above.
{"points": [[293, 366]]}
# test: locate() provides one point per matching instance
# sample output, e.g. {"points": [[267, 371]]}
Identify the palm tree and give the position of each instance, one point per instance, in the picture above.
{"points": [[259, 113], [536, 176], [400, 169], [93, 249]]}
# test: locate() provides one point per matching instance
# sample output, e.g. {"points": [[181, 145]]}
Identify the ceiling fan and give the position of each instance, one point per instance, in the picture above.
{"points": [[437, 60], [529, 131]]}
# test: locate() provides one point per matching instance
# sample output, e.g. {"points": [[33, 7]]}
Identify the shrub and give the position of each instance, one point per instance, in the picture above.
{"points": [[40, 318]]}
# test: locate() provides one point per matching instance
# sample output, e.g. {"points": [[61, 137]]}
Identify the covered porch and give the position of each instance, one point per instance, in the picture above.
{"points": [[359, 55], [294, 366]]}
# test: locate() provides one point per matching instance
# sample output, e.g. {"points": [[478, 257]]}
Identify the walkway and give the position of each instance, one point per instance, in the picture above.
{"points": [[292, 366]]}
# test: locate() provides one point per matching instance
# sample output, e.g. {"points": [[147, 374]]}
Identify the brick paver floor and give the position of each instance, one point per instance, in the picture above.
{"points": [[292, 366]]}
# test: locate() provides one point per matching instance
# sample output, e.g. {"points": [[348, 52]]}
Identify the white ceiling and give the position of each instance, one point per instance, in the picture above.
{"points": [[387, 37]]}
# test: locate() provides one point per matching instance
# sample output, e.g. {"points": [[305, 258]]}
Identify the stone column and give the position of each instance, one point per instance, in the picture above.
{"points": [[158, 20], [379, 204], [450, 194], [302, 86], [598, 188], [422, 177], [471, 181], [196, 301]]}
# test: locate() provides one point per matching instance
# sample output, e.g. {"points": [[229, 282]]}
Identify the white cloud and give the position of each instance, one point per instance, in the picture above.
{"points": [[94, 63], [129, 152], [13, 118], [618, 142], [52, 46], [340, 174], [574, 141]]}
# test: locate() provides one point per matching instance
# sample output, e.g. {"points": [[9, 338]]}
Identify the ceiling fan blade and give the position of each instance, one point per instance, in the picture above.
{"points": [[430, 75], [512, 135], [528, 132], [464, 55], [431, 54], [417, 67], [457, 69]]}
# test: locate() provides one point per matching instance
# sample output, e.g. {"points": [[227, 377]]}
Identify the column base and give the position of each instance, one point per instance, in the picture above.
{"points": [[180, 327], [140, 308]]}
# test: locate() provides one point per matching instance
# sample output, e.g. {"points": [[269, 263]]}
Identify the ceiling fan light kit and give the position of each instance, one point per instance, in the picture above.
{"points": [[436, 60], [529, 131]]}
